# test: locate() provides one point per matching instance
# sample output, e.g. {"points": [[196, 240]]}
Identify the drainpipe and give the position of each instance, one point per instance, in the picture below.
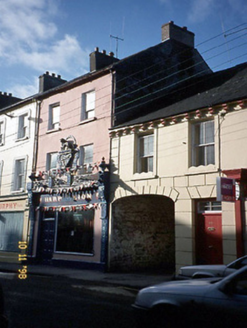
{"points": [[31, 220]]}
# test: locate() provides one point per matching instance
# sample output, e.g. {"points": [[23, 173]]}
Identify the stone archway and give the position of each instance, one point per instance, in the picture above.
{"points": [[142, 233]]}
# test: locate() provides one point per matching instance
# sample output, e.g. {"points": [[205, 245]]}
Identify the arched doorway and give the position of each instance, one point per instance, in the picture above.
{"points": [[142, 234]]}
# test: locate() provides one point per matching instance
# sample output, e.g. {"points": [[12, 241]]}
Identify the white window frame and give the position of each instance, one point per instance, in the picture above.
{"points": [[54, 117], [2, 131], [16, 187], [84, 161], [197, 145], [23, 126], [49, 160], [137, 175], [88, 100], [145, 157]]}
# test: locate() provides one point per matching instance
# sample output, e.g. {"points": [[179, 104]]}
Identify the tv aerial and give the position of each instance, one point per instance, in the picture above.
{"points": [[117, 39]]}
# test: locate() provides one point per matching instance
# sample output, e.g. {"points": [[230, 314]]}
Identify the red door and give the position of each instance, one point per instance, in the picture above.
{"points": [[209, 238]]}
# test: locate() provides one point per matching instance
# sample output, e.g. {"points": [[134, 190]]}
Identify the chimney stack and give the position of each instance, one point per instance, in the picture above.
{"points": [[99, 60], [170, 31], [7, 99], [47, 81]]}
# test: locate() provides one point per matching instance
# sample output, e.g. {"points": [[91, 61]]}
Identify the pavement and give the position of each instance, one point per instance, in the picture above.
{"points": [[132, 280]]}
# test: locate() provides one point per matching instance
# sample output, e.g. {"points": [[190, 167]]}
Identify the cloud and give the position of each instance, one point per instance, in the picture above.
{"points": [[29, 37], [25, 89], [62, 55], [200, 10]]}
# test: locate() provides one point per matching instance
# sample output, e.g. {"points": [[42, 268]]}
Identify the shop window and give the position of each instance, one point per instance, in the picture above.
{"points": [[54, 117], [19, 175], [75, 232], [203, 148], [86, 157], [88, 105], [11, 228], [51, 161], [145, 150], [23, 126]]}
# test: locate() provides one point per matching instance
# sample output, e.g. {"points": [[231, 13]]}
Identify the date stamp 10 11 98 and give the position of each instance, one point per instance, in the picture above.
{"points": [[22, 257]]}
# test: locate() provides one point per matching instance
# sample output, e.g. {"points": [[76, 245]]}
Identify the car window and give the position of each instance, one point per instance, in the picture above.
{"points": [[240, 286], [238, 264]]}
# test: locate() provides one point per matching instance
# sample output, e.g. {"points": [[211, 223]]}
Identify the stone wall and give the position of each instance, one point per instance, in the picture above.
{"points": [[142, 233]]}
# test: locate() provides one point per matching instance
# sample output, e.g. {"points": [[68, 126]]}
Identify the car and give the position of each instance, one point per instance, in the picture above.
{"points": [[3, 319], [214, 270], [211, 302]]}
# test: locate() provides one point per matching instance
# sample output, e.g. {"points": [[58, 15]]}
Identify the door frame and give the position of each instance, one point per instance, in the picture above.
{"points": [[207, 208]]}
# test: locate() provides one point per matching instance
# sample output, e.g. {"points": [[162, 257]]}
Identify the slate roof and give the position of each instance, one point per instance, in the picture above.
{"points": [[213, 89]]}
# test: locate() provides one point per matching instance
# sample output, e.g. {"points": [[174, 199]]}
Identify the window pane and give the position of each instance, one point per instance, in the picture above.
{"points": [[150, 164], [55, 114], [88, 154], [209, 132], [19, 174], [53, 161], [11, 227], [90, 101], [210, 155], [75, 232], [23, 124], [90, 114]]}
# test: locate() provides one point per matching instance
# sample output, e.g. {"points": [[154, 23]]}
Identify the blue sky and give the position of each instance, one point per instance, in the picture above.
{"points": [[58, 35]]}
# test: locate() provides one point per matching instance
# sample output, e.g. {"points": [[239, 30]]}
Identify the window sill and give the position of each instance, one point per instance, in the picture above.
{"points": [[22, 139], [53, 130], [21, 191], [143, 176], [193, 170], [87, 120]]}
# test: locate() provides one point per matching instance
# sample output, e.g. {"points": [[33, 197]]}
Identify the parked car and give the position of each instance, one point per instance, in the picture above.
{"points": [[3, 319], [218, 270], [211, 302]]}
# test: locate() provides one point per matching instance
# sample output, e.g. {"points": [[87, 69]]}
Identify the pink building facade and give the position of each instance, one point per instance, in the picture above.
{"points": [[69, 205]]}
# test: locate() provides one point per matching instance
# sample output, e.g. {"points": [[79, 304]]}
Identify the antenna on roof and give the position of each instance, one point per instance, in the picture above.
{"points": [[117, 39]]}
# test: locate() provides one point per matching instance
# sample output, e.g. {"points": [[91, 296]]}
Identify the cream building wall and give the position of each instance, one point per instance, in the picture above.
{"points": [[12, 149], [174, 176]]}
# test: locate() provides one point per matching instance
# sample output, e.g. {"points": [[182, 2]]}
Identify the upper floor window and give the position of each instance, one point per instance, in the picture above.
{"points": [[54, 117], [19, 174], [203, 143], [86, 156], [145, 160], [23, 124], [2, 132], [88, 105], [51, 161]]}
